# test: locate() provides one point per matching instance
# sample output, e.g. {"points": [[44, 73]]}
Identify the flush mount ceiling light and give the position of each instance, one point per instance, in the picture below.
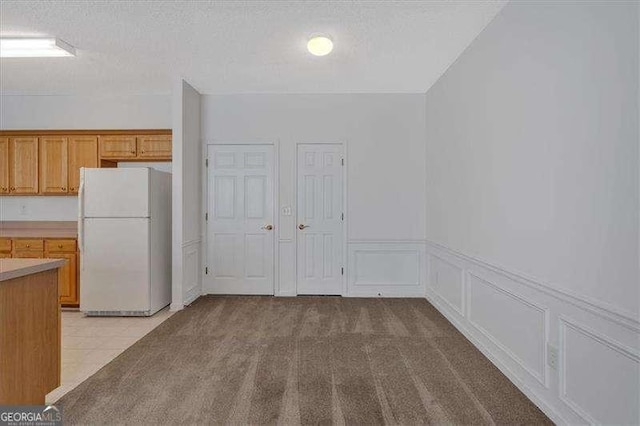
{"points": [[34, 48], [320, 45]]}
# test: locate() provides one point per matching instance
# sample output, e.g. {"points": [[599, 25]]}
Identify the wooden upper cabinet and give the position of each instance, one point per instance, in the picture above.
{"points": [[53, 165], [83, 152], [154, 147], [118, 147], [4, 165], [23, 165]]}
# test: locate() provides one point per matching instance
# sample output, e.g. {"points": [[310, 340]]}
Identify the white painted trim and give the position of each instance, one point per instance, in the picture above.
{"points": [[543, 376], [276, 204], [566, 322], [345, 189], [604, 310]]}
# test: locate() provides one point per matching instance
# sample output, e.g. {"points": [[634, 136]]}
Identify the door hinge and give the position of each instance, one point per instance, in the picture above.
{"points": [[341, 271], [342, 216], [206, 162], [342, 161], [206, 270], [206, 216]]}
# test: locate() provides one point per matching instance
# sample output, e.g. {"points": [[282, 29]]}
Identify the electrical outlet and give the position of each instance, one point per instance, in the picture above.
{"points": [[552, 356], [23, 209]]}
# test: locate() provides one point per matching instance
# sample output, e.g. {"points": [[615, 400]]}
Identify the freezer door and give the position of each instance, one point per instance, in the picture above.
{"points": [[116, 192], [114, 265]]}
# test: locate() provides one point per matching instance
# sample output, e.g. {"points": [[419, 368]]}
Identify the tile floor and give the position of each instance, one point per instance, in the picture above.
{"points": [[89, 343]]}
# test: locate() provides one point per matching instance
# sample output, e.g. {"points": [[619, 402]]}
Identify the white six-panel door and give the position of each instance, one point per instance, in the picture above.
{"points": [[320, 219], [240, 233]]}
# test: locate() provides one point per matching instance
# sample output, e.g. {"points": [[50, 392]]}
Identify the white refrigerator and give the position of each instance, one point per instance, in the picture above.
{"points": [[124, 234]]}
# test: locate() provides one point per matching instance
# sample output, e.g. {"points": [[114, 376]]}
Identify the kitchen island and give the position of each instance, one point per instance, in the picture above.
{"points": [[29, 330]]}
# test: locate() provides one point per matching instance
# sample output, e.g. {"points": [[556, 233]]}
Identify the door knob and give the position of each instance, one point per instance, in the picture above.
{"points": [[268, 227], [301, 226]]}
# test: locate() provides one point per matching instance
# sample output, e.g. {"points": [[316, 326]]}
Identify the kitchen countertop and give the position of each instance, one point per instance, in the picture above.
{"points": [[16, 268], [38, 229]]}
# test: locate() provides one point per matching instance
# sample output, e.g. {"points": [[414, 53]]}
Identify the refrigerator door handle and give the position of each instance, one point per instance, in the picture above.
{"points": [[81, 215]]}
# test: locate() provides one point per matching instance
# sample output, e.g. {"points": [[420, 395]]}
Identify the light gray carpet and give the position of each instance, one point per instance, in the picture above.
{"points": [[264, 360]]}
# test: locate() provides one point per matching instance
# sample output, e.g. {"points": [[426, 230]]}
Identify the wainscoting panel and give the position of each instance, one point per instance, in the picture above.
{"points": [[579, 361], [386, 269], [591, 365], [447, 280], [523, 337], [191, 269]]}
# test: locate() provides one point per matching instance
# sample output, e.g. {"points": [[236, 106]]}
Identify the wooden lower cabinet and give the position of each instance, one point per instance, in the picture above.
{"points": [[5, 247], [29, 254], [68, 276]]}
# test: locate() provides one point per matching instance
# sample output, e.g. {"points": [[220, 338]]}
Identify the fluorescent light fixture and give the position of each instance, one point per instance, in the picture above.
{"points": [[320, 45], [34, 48]]}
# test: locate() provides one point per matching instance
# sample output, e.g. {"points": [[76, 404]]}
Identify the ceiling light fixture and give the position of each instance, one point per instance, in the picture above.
{"points": [[320, 45], [35, 48]]}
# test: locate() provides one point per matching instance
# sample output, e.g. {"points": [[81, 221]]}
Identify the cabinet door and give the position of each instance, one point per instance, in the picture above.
{"points": [[67, 277], [5, 244], [154, 147], [117, 146], [23, 165], [53, 165], [83, 152], [4, 166]]}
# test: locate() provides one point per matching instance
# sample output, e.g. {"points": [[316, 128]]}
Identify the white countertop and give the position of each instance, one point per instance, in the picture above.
{"points": [[16, 268]]}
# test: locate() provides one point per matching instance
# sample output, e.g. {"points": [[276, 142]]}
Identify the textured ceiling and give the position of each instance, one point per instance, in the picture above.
{"points": [[240, 46]]}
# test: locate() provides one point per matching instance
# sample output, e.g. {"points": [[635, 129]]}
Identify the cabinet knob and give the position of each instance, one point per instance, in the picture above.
{"points": [[64, 189], [72, 189], [133, 152], [142, 152], [59, 245], [13, 188], [28, 245]]}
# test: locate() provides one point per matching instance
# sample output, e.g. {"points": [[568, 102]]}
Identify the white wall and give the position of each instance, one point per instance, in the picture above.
{"points": [[384, 138], [533, 202], [85, 112], [74, 112], [187, 196]]}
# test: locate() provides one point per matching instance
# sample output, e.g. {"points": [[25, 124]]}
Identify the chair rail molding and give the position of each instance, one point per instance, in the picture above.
{"points": [[605, 310]]}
